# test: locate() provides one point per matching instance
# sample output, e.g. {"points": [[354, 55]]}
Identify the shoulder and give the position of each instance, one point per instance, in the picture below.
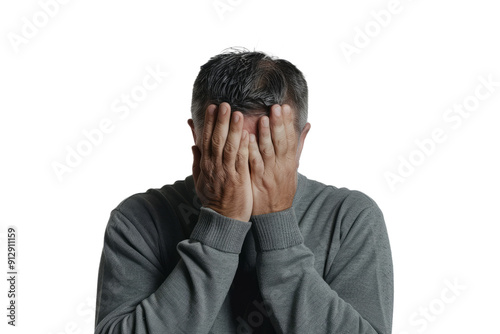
{"points": [[348, 207], [359, 218], [348, 199], [150, 213], [154, 202], [136, 206]]}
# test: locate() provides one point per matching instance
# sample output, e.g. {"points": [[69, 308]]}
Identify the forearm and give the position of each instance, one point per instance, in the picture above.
{"points": [[301, 300], [188, 299]]}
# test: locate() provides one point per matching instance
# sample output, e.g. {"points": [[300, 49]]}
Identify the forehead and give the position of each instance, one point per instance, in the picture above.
{"points": [[251, 121]]}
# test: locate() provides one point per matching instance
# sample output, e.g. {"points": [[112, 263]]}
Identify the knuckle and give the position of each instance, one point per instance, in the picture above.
{"points": [[256, 163], [242, 154], [280, 142], [266, 151], [290, 158], [206, 165], [267, 183], [219, 175], [241, 162], [216, 141], [229, 148], [206, 137], [227, 168]]}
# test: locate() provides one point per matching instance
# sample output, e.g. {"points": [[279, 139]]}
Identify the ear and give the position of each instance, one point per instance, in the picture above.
{"points": [[300, 146], [191, 125]]}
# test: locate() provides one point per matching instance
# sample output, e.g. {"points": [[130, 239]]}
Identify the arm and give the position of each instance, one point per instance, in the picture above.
{"points": [[356, 297], [134, 296]]}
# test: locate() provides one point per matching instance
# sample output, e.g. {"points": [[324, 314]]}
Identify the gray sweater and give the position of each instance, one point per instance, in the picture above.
{"points": [[169, 265]]}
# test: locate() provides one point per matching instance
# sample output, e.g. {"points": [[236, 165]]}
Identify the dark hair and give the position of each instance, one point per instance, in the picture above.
{"points": [[251, 82]]}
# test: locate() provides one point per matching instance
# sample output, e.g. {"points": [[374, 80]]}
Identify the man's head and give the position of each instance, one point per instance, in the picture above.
{"points": [[251, 82]]}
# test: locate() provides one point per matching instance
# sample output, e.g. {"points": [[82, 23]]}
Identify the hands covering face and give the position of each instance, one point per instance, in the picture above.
{"points": [[238, 177]]}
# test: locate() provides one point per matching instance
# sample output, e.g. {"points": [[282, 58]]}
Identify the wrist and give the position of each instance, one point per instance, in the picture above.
{"points": [[230, 214], [269, 209]]}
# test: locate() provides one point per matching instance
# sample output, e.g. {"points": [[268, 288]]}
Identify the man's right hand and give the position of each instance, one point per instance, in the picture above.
{"points": [[221, 171]]}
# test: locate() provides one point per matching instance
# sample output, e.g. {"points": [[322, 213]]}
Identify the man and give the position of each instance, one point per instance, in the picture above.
{"points": [[246, 244]]}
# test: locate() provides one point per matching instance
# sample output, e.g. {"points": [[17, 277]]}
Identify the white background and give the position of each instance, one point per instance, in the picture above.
{"points": [[365, 114]]}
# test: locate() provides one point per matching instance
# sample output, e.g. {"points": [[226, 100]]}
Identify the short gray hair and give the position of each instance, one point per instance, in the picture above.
{"points": [[251, 82]]}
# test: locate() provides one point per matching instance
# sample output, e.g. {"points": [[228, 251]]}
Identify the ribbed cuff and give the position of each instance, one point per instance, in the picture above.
{"points": [[220, 232], [276, 230]]}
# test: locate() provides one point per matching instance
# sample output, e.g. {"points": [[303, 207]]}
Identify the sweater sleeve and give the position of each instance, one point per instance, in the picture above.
{"points": [[135, 297], [356, 297]]}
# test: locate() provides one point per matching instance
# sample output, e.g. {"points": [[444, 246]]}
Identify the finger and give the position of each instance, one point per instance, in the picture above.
{"points": [[220, 131], [196, 163], [265, 143], [243, 154], [208, 128], [291, 132], [233, 140], [254, 158], [278, 133]]}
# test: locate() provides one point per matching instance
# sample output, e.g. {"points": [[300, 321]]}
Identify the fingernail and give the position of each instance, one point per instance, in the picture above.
{"points": [[236, 118], [224, 110], [277, 111], [265, 121], [286, 110], [252, 137]]}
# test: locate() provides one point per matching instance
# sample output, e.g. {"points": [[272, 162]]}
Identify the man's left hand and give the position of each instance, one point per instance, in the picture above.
{"points": [[273, 167]]}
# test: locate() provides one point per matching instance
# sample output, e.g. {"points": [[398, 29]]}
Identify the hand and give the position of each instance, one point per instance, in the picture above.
{"points": [[273, 167], [221, 173]]}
